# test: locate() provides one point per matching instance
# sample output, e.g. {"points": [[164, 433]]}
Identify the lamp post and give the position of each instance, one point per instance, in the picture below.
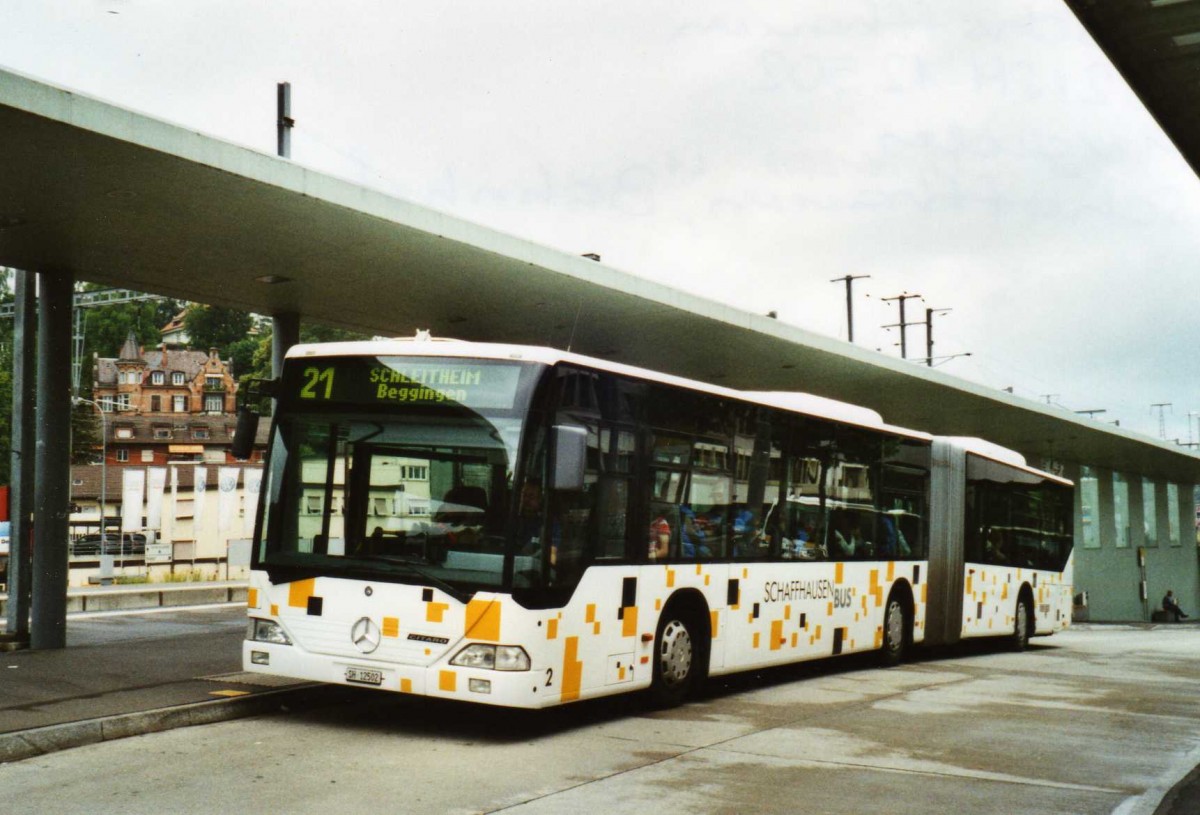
{"points": [[103, 464]]}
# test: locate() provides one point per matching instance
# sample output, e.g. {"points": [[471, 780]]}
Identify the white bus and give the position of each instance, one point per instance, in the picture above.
{"points": [[526, 527]]}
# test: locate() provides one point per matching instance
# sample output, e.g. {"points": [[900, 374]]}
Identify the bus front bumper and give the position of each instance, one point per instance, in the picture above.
{"points": [[441, 680]]}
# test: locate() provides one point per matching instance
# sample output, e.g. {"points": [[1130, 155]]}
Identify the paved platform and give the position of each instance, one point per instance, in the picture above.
{"points": [[128, 673], [131, 673]]}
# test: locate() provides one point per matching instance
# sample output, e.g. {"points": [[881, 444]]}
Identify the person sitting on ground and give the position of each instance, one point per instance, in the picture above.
{"points": [[1171, 606]]}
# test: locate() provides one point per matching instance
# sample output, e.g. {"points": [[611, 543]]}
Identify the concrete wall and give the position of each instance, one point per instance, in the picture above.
{"points": [[1112, 574]]}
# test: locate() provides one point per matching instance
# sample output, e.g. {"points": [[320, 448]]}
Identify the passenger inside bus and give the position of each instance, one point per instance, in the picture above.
{"points": [[993, 546], [529, 519], [693, 538], [894, 545], [745, 531], [660, 539], [847, 535]]}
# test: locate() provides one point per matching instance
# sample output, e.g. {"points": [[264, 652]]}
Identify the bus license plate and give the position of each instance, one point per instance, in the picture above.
{"points": [[364, 676]]}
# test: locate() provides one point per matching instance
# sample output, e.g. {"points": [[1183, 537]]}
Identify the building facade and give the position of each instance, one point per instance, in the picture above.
{"points": [[163, 381]]}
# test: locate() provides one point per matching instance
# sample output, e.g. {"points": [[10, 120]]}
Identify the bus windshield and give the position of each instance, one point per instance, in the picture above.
{"points": [[409, 491]]}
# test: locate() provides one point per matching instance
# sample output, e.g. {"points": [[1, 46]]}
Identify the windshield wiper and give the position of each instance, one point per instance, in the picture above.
{"points": [[416, 569]]}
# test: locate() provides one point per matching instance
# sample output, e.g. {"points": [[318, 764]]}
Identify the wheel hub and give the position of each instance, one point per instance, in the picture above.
{"points": [[675, 653], [895, 626]]}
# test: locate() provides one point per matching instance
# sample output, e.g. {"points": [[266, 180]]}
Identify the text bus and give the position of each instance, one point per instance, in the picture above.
{"points": [[521, 526]]}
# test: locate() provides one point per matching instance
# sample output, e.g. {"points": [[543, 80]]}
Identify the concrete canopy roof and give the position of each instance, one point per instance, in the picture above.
{"points": [[1155, 44], [124, 199]]}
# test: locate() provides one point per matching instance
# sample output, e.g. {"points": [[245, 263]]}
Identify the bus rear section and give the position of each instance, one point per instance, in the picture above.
{"points": [[1001, 558]]}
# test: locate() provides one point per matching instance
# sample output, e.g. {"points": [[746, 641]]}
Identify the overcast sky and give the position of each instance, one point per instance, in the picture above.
{"points": [[984, 155]]}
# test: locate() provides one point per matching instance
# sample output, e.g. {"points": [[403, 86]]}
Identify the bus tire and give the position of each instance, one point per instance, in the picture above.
{"points": [[895, 631], [678, 650], [1022, 623]]}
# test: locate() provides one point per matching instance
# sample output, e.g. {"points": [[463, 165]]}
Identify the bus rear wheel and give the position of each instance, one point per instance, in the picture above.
{"points": [[895, 633], [677, 651], [1021, 623]]}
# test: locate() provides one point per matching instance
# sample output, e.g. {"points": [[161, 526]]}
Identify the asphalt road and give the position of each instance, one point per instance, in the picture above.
{"points": [[1096, 720]]}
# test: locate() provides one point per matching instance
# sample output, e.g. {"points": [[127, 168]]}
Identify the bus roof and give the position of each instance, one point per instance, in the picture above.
{"points": [[994, 452], [810, 404]]}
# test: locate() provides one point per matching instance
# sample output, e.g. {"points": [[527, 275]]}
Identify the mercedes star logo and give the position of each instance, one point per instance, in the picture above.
{"points": [[365, 635]]}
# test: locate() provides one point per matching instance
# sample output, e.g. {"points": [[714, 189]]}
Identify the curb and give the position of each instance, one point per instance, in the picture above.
{"points": [[149, 595], [40, 741]]}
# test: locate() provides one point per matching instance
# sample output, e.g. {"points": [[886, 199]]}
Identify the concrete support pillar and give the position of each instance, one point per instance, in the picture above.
{"points": [[53, 452], [1162, 512], [285, 332], [1187, 540], [1187, 516], [1072, 471], [20, 563]]}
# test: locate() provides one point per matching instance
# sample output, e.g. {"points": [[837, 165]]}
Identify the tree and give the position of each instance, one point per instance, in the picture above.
{"points": [[105, 328], [85, 434], [259, 364], [216, 327]]}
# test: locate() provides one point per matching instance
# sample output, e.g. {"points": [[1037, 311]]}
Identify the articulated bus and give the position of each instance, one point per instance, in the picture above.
{"points": [[525, 527]]}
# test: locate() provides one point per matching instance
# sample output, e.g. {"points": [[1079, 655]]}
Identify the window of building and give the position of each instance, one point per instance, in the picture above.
{"points": [[1089, 499], [213, 382], [214, 403], [212, 456], [147, 455], [123, 432], [1121, 509], [1149, 513], [122, 401], [177, 378], [200, 433], [179, 404], [155, 404], [122, 454], [162, 432], [1173, 514], [106, 404], [157, 378]]}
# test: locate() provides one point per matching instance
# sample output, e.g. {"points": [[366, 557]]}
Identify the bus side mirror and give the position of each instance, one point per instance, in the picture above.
{"points": [[243, 436], [570, 457], [247, 416]]}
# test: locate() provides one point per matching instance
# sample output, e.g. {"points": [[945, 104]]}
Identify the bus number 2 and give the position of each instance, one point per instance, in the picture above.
{"points": [[549, 676], [315, 377]]}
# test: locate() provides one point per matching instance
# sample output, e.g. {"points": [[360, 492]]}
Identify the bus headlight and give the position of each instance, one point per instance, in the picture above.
{"points": [[492, 657], [266, 631]]}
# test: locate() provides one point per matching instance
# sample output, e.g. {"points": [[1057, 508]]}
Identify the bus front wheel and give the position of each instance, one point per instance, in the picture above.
{"points": [[677, 651]]}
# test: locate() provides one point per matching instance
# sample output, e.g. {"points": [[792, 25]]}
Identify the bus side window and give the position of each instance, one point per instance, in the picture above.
{"points": [[705, 517], [615, 456], [663, 535], [568, 521]]}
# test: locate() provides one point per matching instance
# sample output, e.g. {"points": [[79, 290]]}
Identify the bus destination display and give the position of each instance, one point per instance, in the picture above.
{"points": [[397, 381]]}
